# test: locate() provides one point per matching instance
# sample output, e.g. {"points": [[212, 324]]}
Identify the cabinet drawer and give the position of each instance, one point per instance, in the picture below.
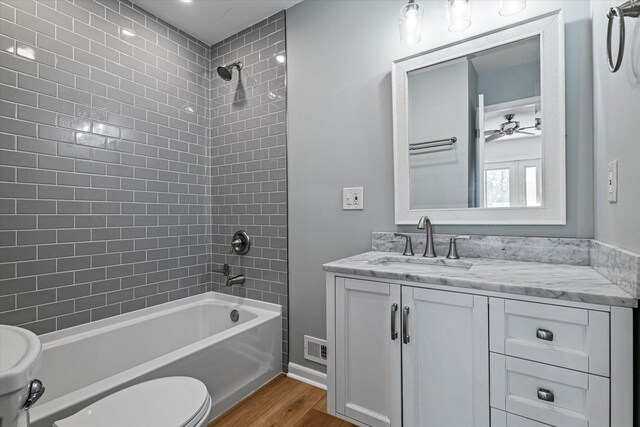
{"points": [[548, 394], [503, 419], [563, 336]]}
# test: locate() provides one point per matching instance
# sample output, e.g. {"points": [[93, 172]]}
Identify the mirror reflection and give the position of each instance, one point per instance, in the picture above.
{"points": [[474, 130]]}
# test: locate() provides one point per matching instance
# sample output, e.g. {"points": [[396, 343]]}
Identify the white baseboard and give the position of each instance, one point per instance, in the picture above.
{"points": [[307, 375]]}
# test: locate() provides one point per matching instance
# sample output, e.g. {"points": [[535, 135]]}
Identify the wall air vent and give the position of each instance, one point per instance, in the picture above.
{"points": [[315, 350]]}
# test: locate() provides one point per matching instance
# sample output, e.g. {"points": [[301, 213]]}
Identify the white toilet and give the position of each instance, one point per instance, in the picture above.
{"points": [[20, 351], [164, 402]]}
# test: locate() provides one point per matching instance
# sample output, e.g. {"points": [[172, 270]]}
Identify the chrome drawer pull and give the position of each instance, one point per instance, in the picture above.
{"points": [[543, 334], [545, 395], [405, 326], [394, 332]]}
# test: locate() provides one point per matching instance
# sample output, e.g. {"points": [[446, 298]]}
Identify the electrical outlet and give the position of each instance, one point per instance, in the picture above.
{"points": [[353, 198], [612, 182]]}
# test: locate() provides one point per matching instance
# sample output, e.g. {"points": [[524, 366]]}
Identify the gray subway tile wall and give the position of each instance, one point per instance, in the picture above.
{"points": [[248, 170], [126, 164], [105, 157]]}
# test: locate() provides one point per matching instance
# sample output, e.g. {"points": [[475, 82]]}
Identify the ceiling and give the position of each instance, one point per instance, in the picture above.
{"points": [[213, 20]]}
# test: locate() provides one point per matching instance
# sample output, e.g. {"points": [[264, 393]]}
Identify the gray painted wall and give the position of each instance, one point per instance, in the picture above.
{"points": [[617, 134], [104, 192], [340, 133]]}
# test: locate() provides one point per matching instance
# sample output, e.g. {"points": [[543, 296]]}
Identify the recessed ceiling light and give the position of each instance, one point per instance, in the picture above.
{"points": [[127, 32], [186, 1], [280, 59]]}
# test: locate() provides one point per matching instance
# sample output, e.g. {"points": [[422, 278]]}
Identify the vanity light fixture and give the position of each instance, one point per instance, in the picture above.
{"points": [[410, 22], [127, 32], [511, 7], [459, 15]]}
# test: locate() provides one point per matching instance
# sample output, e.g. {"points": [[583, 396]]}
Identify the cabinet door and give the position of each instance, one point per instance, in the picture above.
{"points": [[445, 359], [368, 360]]}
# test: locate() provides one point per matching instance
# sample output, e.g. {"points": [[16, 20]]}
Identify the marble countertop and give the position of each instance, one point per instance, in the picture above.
{"points": [[559, 281]]}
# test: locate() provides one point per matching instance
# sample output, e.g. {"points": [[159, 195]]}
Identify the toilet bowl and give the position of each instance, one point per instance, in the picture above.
{"points": [[163, 402], [20, 352]]}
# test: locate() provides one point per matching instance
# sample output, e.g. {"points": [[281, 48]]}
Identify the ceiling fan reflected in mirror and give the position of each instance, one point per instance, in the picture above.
{"points": [[511, 127]]}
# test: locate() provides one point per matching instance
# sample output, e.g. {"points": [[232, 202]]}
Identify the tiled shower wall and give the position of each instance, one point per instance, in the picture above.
{"points": [[104, 162], [249, 179]]}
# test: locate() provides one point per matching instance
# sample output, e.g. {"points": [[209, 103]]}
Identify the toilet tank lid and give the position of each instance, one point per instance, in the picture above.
{"points": [[20, 351], [170, 401]]}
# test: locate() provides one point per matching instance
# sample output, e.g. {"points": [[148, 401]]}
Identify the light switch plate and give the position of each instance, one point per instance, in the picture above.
{"points": [[612, 182], [353, 198]]}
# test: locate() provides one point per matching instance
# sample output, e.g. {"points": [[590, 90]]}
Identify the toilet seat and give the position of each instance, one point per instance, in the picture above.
{"points": [[164, 402]]}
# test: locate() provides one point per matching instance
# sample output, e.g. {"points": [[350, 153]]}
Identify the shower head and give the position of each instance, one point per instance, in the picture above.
{"points": [[225, 71]]}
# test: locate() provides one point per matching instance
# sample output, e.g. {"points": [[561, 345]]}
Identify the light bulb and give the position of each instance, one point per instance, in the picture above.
{"points": [[410, 22], [458, 14], [511, 7]]}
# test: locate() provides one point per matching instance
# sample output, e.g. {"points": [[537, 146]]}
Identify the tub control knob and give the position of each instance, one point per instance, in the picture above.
{"points": [[241, 243], [36, 390]]}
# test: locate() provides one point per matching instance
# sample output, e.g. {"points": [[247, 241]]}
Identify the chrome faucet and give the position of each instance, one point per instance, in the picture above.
{"points": [[429, 249], [453, 251], [230, 280], [235, 280], [408, 248]]}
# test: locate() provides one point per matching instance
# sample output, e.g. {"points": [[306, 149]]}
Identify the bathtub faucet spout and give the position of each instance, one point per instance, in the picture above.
{"points": [[235, 280], [226, 272]]}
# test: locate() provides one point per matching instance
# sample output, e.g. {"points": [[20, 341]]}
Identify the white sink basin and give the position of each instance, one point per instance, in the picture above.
{"points": [[20, 351], [422, 264]]}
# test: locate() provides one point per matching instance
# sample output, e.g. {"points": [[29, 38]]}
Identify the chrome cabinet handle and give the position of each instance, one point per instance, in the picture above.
{"points": [[394, 331], [544, 334], [546, 395], [405, 326]]}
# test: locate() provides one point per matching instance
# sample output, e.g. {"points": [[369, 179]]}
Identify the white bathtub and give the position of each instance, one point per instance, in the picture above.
{"points": [[193, 337]]}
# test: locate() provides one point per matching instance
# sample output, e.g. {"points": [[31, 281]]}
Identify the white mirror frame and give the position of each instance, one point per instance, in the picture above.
{"points": [[550, 29]]}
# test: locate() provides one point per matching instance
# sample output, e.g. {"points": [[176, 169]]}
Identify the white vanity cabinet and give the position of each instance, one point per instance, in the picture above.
{"points": [[367, 355], [445, 367], [419, 355], [405, 353]]}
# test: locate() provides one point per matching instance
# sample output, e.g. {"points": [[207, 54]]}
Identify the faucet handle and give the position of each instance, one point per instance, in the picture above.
{"points": [[453, 253], [408, 247]]}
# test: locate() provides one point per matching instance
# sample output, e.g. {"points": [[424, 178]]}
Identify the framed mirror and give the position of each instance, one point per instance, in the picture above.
{"points": [[479, 133]]}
